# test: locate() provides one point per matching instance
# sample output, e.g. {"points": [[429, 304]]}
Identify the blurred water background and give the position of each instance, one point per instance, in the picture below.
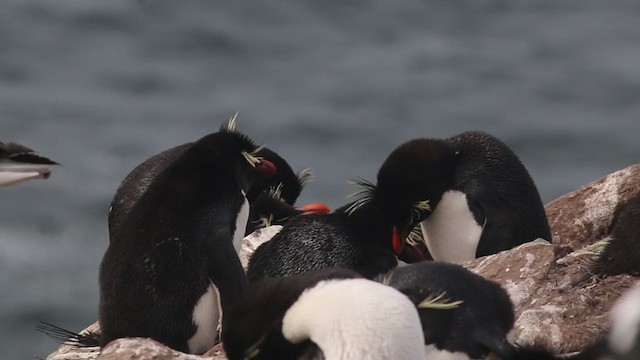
{"points": [[334, 85]]}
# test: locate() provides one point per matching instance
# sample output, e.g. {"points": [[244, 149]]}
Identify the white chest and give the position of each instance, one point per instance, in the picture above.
{"points": [[206, 316], [241, 223], [451, 232]]}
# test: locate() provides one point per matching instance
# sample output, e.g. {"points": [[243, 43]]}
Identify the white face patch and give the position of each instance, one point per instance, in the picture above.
{"points": [[626, 322], [451, 232], [241, 223], [207, 317], [350, 319]]}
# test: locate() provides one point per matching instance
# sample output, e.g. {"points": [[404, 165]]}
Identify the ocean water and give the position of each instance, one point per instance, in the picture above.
{"points": [[99, 86]]}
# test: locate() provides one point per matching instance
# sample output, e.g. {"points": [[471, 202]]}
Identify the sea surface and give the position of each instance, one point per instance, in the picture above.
{"points": [[100, 86]]}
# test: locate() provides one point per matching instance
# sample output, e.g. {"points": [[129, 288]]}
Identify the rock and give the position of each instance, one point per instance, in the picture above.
{"points": [[550, 312], [584, 216], [552, 309], [251, 242], [143, 348]]}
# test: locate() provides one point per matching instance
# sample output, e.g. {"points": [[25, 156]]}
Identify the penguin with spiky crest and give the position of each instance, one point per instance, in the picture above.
{"points": [[478, 319], [470, 193], [355, 240], [19, 163], [272, 199], [331, 314], [171, 269]]}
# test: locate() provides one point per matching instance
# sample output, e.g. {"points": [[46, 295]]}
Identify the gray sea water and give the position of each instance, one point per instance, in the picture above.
{"points": [[334, 85]]}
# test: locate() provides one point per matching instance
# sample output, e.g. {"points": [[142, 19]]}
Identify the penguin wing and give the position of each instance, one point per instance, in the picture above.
{"points": [[498, 226]]}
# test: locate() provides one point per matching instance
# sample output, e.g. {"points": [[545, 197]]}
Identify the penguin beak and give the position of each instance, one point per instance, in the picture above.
{"points": [[314, 209], [266, 167], [398, 238]]}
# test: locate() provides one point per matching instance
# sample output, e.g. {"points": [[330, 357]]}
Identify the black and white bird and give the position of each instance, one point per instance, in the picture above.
{"points": [[272, 199], [19, 163], [357, 240], [330, 314], [171, 268], [470, 193], [475, 325]]}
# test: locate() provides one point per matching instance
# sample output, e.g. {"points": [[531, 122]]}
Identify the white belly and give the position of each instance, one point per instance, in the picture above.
{"points": [[450, 232], [206, 316], [241, 223]]}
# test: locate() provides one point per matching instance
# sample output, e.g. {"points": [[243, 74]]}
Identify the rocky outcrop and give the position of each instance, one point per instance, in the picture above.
{"points": [[553, 308]]}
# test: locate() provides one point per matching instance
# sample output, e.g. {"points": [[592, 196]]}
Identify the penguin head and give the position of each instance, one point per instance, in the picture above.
{"points": [[411, 182], [252, 329], [285, 185], [239, 151]]}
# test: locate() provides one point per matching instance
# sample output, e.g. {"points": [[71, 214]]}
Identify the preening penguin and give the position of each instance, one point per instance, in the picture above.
{"points": [[19, 163], [331, 313], [171, 267], [470, 193], [356, 240], [474, 326]]}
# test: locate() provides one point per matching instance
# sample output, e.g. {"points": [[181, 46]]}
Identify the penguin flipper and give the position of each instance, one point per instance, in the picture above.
{"points": [[66, 337]]}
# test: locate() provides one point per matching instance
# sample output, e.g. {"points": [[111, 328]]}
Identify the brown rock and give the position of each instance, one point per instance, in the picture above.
{"points": [[143, 348], [584, 216]]}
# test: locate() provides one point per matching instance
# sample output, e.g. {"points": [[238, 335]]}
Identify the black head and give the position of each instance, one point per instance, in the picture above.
{"points": [[229, 150], [476, 326], [285, 185], [411, 182], [253, 328]]}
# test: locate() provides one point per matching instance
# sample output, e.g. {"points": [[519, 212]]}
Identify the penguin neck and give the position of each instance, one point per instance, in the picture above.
{"points": [[352, 319]]}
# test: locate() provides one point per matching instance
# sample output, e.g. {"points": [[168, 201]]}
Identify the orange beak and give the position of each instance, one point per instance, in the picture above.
{"points": [[266, 167], [398, 238], [314, 209]]}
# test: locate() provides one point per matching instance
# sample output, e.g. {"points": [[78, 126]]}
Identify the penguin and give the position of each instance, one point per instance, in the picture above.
{"points": [[171, 269], [272, 198], [19, 163], [267, 198], [621, 254], [470, 193], [475, 326], [355, 240], [331, 314]]}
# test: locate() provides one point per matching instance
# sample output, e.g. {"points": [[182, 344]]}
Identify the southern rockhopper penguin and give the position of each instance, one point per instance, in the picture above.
{"points": [[470, 193], [19, 163], [357, 240], [171, 269], [329, 314]]}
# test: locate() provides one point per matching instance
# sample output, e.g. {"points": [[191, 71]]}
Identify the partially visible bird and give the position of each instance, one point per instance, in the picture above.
{"points": [[19, 163], [329, 314]]}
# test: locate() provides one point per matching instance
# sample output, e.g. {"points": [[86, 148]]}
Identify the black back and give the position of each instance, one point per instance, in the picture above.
{"points": [[175, 240], [500, 189], [477, 326], [256, 320], [358, 241]]}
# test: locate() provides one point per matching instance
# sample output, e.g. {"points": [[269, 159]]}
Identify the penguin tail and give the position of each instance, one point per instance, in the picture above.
{"points": [[66, 337]]}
